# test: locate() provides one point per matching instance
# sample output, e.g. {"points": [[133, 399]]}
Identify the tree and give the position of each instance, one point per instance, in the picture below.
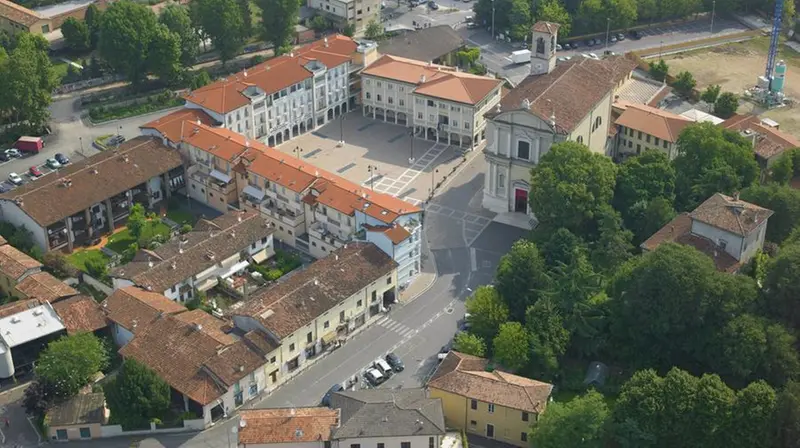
{"points": [[569, 185], [752, 419], [222, 22], [647, 10], [319, 23], [711, 160], [613, 246], [200, 79], [555, 12], [580, 422], [646, 218], [57, 264], [176, 18], [711, 94], [782, 286], [93, 18], [487, 312], [470, 344], [69, 363], [19, 237], [278, 19], [782, 170], [783, 200], [374, 30], [510, 346], [126, 33], [519, 19], [591, 16], [561, 247], [684, 83], [349, 30], [247, 17], [548, 338], [726, 105], [39, 397], [28, 81], [137, 220], [623, 13], [520, 278], [659, 70], [468, 57], [164, 55], [136, 396], [643, 178], [787, 412], [76, 34], [654, 326]]}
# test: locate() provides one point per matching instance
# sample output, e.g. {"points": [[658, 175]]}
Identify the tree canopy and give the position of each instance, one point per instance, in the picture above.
{"points": [[136, 396], [222, 22], [127, 32], [486, 312], [76, 34], [278, 19], [28, 81], [510, 346], [783, 200], [69, 363], [176, 18], [580, 422], [521, 278]]}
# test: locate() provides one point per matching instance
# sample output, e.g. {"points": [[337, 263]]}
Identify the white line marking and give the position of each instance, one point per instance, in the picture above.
{"points": [[473, 259]]}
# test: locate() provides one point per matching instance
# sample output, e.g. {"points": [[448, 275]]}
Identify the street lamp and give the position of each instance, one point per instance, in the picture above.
{"points": [[81, 140], [608, 28], [433, 178], [660, 48], [297, 151], [372, 169], [411, 159], [492, 23], [713, 10], [341, 131]]}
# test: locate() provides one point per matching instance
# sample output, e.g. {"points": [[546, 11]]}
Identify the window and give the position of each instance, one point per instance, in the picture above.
{"points": [[401, 102], [474, 405], [473, 423], [374, 295], [722, 244], [639, 135], [598, 122], [341, 316], [390, 86], [419, 115], [378, 97], [389, 100], [430, 442], [326, 325], [630, 143], [405, 444], [501, 184], [380, 445], [466, 125], [291, 347], [455, 123], [369, 81], [638, 148], [580, 139], [431, 103], [665, 144], [45, 29], [368, 95], [272, 360], [388, 280], [309, 337], [648, 138], [355, 445], [525, 416], [61, 434], [523, 436], [523, 150], [86, 433], [491, 408], [657, 141], [431, 117], [360, 303]]}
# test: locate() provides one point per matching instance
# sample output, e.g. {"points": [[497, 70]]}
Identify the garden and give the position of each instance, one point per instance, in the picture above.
{"points": [[149, 104], [276, 267]]}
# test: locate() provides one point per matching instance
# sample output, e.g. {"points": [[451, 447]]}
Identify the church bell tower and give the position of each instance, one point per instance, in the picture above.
{"points": [[543, 47]]}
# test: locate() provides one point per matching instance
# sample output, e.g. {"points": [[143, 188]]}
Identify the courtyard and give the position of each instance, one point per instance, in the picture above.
{"points": [[377, 155], [736, 67]]}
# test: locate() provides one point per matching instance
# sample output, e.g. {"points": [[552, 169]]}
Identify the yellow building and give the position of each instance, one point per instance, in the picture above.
{"points": [[642, 128], [489, 403]]}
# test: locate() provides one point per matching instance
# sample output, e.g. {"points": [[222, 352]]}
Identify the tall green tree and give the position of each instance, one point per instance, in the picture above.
{"points": [[684, 83], [521, 278], [136, 395], [247, 17], [561, 247], [752, 419], [613, 246], [76, 34], [165, 54], [782, 286], [93, 18], [28, 80], [580, 422], [520, 20], [69, 363], [647, 10], [470, 344], [711, 93], [547, 335], [278, 19], [659, 70], [374, 30], [783, 200], [570, 185], [711, 160], [623, 13], [646, 218], [643, 178], [222, 22], [787, 416], [591, 16], [782, 170], [555, 12], [487, 312], [510, 346], [176, 18], [137, 220], [726, 105], [126, 34]]}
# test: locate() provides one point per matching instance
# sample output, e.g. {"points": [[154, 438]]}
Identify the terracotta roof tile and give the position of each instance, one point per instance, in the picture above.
{"points": [[18, 14], [260, 341], [730, 214], [569, 92], [282, 425], [209, 324], [49, 199], [656, 122], [288, 306], [466, 375], [679, 225], [768, 142], [42, 285], [171, 125], [14, 263], [12, 308], [396, 234], [221, 142], [80, 314], [133, 308], [437, 81], [82, 409], [234, 362], [546, 27]]}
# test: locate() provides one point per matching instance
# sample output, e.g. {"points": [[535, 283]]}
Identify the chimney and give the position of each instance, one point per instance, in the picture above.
{"points": [[325, 40], [197, 327], [422, 79]]}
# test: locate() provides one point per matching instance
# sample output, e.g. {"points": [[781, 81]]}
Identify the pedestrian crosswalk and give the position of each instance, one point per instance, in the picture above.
{"points": [[395, 186], [397, 327]]}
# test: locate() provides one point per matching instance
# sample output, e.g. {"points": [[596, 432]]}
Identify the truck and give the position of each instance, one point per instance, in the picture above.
{"points": [[521, 56], [30, 144]]}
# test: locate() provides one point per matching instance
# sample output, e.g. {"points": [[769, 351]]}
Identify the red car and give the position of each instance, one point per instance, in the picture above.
{"points": [[35, 171]]}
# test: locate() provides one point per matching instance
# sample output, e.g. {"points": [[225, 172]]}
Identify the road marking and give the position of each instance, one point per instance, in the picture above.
{"points": [[395, 186], [473, 225], [473, 259]]}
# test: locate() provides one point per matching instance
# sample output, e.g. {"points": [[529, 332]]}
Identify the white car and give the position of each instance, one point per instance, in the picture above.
{"points": [[383, 367], [52, 163], [15, 179], [374, 377]]}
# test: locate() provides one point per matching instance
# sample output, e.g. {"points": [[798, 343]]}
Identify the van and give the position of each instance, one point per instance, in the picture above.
{"points": [[384, 367], [30, 144]]}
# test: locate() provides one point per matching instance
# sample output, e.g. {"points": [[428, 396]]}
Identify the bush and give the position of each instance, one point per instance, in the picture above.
{"points": [[150, 104], [186, 228], [97, 268], [57, 264], [273, 274]]}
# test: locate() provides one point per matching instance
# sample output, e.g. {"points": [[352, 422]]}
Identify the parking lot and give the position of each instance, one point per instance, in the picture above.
{"points": [[496, 54], [18, 166], [376, 155]]}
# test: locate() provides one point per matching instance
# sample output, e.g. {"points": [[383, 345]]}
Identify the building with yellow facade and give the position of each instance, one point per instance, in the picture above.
{"points": [[487, 402]]}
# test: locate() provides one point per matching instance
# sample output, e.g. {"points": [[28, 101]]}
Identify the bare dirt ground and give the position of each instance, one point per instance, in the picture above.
{"points": [[736, 67]]}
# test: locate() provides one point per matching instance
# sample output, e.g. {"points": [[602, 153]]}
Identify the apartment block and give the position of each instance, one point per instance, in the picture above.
{"points": [[357, 13]]}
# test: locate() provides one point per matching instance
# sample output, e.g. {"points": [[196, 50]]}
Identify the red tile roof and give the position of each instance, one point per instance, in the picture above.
{"points": [[80, 314], [396, 234], [133, 308], [171, 125], [437, 81], [546, 27], [14, 263], [282, 425], [18, 14], [42, 285], [768, 142], [731, 214], [656, 122]]}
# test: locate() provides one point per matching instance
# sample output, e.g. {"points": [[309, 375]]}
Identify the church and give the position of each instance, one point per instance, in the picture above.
{"points": [[568, 101]]}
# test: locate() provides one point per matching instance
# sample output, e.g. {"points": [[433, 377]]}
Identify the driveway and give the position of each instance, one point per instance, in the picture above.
{"points": [[20, 431]]}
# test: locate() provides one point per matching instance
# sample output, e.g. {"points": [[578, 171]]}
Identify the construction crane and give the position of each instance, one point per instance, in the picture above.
{"points": [[773, 44], [769, 90]]}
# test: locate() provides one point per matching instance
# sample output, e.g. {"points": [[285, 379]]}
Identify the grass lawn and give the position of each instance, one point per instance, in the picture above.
{"points": [[120, 241], [181, 216], [59, 67], [79, 258]]}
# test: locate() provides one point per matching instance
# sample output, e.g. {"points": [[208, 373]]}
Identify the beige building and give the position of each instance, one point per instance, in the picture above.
{"points": [[438, 102], [79, 418], [315, 307], [725, 228], [43, 20], [571, 101], [357, 13], [641, 127], [489, 403], [769, 142]]}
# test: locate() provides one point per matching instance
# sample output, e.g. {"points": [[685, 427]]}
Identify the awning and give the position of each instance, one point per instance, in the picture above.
{"points": [[261, 256], [253, 192], [235, 268], [220, 176], [328, 338]]}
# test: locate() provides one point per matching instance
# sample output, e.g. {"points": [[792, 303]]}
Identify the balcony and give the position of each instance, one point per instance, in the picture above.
{"points": [[281, 214], [215, 180], [320, 232]]}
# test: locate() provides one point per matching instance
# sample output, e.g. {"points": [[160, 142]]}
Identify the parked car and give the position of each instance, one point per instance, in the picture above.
{"points": [[4, 157], [589, 42], [433, 5], [326, 399], [620, 36], [472, 25], [395, 362], [14, 178], [34, 171], [374, 377], [52, 163], [383, 367], [613, 39], [559, 47], [635, 34], [62, 159], [12, 152]]}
